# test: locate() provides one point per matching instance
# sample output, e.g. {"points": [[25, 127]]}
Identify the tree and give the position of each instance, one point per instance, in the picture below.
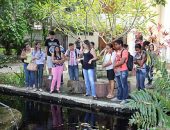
{"points": [[12, 24], [113, 19]]}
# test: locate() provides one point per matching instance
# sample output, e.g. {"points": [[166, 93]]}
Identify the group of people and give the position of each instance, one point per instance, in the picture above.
{"points": [[114, 61]]}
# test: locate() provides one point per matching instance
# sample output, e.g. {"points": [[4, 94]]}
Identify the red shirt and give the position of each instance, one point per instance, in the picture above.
{"points": [[119, 55]]}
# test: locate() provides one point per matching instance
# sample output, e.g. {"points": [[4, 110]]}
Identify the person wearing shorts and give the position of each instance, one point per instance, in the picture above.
{"points": [[50, 44], [108, 64]]}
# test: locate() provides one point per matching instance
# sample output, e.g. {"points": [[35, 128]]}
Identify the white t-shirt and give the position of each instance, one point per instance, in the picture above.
{"points": [[109, 57]]}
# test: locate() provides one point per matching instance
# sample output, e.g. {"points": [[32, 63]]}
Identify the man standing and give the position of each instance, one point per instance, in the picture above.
{"points": [[78, 43], [50, 45], [72, 55], [121, 72]]}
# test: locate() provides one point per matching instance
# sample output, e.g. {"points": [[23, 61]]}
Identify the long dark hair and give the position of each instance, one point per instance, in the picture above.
{"points": [[87, 42], [35, 47], [55, 54], [24, 47]]}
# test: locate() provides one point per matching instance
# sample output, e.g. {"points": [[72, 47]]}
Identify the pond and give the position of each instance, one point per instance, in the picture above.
{"points": [[38, 115]]}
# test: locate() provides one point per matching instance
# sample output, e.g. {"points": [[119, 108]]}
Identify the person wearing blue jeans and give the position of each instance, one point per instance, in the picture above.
{"points": [[140, 78], [122, 84], [140, 61], [26, 56], [121, 72], [73, 72], [29, 77], [89, 56], [89, 81], [72, 55], [38, 56]]}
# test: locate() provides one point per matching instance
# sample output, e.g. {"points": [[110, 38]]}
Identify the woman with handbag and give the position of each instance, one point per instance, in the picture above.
{"points": [[58, 60], [38, 57], [26, 55], [108, 64]]}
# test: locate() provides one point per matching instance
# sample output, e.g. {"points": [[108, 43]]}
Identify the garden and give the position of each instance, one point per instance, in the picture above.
{"points": [[20, 20]]}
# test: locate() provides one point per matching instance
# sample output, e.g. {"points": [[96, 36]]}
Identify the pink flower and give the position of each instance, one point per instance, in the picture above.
{"points": [[159, 27]]}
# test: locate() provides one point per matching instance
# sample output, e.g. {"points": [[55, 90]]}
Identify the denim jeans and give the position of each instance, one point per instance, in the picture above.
{"points": [[29, 76], [73, 72], [89, 82], [122, 85], [95, 74], [149, 73], [39, 76], [140, 78]]}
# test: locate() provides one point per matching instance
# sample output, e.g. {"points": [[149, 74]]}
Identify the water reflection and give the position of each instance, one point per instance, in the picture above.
{"points": [[57, 117], [43, 116]]}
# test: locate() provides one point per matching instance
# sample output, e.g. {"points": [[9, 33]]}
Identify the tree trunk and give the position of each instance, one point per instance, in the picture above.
{"points": [[8, 50]]}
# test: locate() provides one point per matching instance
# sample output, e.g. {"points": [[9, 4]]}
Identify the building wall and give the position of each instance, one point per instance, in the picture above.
{"points": [[94, 38], [164, 19]]}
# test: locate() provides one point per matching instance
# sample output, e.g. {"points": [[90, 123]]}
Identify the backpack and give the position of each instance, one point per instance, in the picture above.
{"points": [[129, 61], [74, 51]]}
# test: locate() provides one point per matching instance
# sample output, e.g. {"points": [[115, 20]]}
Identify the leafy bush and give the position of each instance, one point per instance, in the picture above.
{"points": [[16, 79], [151, 105], [7, 59]]}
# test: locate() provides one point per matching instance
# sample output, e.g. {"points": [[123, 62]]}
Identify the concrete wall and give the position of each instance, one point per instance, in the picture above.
{"points": [[164, 19]]}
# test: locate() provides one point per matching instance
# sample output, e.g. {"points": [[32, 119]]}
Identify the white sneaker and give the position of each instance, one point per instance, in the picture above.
{"points": [[123, 102], [35, 90], [27, 88], [49, 77], [115, 100], [40, 90]]}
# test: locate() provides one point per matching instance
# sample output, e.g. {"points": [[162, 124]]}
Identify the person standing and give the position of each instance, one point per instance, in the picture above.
{"points": [[148, 62], [92, 44], [72, 54], [26, 55], [140, 61], [78, 43], [38, 56], [50, 44], [89, 56], [58, 59], [121, 72], [108, 64], [153, 58]]}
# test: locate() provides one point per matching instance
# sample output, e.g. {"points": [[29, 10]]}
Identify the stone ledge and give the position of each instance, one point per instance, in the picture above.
{"points": [[71, 100]]}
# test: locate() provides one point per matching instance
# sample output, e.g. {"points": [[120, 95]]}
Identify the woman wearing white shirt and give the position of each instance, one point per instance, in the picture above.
{"points": [[38, 56], [108, 64]]}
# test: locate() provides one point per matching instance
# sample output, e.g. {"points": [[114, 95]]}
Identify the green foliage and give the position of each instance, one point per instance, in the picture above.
{"points": [[151, 111], [16, 79], [12, 24], [160, 2], [4, 60], [151, 105], [113, 18]]}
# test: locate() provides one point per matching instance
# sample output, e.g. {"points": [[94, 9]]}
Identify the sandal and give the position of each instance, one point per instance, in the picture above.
{"points": [[110, 96]]}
